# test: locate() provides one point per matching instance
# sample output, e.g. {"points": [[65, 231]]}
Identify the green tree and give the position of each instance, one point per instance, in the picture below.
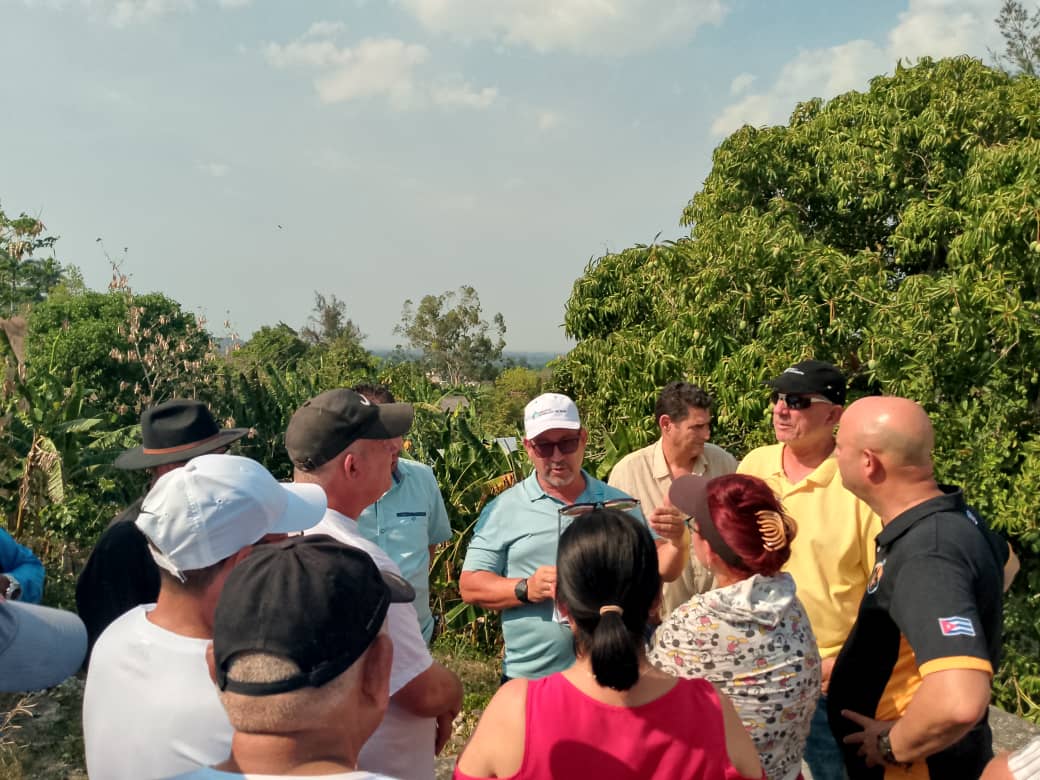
{"points": [[455, 340], [513, 389], [279, 346], [132, 351], [24, 278], [896, 233], [1021, 32], [337, 356]]}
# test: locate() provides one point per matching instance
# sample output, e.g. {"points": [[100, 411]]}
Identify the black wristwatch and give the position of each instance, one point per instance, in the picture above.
{"points": [[520, 591], [884, 746]]}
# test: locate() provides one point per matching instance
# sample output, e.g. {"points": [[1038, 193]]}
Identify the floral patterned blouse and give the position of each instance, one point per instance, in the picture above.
{"points": [[754, 641]]}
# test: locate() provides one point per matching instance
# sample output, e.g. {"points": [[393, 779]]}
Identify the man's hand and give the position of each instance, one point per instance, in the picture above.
{"points": [[826, 667], [445, 723], [668, 523], [542, 584], [867, 739]]}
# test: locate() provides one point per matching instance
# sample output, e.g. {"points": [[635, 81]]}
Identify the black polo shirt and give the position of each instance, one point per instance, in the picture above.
{"points": [[933, 602]]}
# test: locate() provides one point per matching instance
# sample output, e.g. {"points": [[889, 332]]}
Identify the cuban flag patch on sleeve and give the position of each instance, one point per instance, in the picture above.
{"points": [[956, 626]]}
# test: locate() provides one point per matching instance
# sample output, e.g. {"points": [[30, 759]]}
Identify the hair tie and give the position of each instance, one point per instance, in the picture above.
{"points": [[771, 528], [610, 608]]}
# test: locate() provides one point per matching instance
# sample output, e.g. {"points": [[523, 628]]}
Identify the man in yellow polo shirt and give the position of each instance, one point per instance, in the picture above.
{"points": [[833, 554]]}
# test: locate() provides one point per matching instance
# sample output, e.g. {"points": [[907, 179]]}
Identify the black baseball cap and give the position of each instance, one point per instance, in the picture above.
{"points": [[308, 599], [330, 422], [812, 376]]}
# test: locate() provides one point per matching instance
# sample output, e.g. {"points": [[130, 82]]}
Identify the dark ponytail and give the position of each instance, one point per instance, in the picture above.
{"points": [[607, 579]]}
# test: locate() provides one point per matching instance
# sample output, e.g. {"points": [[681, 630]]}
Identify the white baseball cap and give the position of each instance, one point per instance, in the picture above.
{"points": [[548, 411], [215, 505]]}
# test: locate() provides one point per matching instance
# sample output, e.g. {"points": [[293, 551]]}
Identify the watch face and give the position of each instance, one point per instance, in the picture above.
{"points": [[521, 590]]}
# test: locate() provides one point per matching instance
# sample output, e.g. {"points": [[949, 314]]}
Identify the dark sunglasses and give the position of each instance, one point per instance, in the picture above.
{"points": [[577, 510], [565, 446], [796, 401]]}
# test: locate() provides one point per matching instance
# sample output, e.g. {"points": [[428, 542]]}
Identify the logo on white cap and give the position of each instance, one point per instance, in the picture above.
{"points": [[549, 411]]}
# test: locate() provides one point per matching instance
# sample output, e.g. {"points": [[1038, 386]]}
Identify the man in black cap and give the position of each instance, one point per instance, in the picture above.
{"points": [[120, 573], [300, 706], [345, 443], [833, 555]]}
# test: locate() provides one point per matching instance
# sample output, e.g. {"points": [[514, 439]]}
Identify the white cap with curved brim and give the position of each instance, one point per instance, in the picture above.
{"points": [[216, 505], [39, 646], [548, 412]]}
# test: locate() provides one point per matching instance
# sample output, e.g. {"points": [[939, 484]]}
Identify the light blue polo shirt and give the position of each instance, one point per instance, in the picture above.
{"points": [[409, 518], [515, 534]]}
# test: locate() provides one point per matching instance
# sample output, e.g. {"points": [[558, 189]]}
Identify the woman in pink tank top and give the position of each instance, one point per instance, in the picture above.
{"points": [[611, 716]]}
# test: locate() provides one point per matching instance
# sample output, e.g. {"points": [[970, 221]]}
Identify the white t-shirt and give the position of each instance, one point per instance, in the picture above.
{"points": [[403, 744], [150, 709], [209, 773]]}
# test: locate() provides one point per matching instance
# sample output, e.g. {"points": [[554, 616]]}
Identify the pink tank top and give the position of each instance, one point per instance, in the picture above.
{"points": [[679, 736]]}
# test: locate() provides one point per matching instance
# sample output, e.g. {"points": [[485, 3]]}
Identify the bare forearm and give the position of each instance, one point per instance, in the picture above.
{"points": [[670, 560], [945, 708], [434, 692], [489, 590]]}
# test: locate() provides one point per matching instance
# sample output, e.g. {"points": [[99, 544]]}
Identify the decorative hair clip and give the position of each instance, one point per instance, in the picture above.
{"points": [[771, 528]]}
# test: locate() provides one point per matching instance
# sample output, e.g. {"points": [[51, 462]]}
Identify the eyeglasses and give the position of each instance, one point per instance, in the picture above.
{"points": [[577, 510], [797, 401], [545, 449]]}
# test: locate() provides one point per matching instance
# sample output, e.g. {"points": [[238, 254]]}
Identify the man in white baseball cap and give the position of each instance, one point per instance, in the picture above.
{"points": [[510, 563], [149, 708]]}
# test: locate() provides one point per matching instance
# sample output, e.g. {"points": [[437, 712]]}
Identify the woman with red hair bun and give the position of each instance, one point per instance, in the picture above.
{"points": [[750, 635]]}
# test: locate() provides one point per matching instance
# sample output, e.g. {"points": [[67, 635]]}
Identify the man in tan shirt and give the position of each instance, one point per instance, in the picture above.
{"points": [[683, 413]]}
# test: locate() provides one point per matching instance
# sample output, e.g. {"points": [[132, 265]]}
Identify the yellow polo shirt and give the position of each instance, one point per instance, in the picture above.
{"points": [[832, 555], [644, 474]]}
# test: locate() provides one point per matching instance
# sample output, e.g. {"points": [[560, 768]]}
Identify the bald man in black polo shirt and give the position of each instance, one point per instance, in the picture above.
{"points": [[910, 689]]}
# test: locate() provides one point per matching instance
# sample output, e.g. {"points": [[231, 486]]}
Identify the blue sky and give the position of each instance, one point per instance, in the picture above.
{"points": [[406, 147]]}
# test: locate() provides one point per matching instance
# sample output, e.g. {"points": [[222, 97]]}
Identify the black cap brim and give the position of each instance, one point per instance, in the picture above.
{"points": [[392, 421]]}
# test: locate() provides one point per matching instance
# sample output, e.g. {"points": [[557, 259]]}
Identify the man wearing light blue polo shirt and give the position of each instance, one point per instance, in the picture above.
{"points": [[408, 521], [510, 563]]}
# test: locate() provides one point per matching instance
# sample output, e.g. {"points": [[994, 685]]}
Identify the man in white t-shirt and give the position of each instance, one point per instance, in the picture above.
{"points": [[345, 443], [302, 707], [149, 708]]}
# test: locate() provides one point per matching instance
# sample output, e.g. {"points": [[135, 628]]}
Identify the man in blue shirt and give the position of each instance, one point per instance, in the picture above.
{"points": [[21, 573], [409, 520], [509, 565]]}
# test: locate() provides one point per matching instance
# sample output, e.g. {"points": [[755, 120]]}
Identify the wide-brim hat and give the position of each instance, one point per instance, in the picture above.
{"points": [[175, 431]]}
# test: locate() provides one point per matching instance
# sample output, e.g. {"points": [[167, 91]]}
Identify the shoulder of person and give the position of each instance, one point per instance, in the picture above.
{"points": [[756, 458]]}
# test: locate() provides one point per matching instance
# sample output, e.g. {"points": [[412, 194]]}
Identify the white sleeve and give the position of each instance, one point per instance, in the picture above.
{"points": [[1025, 763], [411, 656]]}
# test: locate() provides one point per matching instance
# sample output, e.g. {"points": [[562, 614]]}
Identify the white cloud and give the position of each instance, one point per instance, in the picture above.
{"points": [[125, 13], [215, 169], [324, 29], [934, 28], [463, 95], [741, 83], [376, 67], [600, 27], [547, 120]]}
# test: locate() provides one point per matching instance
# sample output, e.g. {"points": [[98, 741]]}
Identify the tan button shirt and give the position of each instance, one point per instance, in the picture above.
{"points": [[644, 474]]}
